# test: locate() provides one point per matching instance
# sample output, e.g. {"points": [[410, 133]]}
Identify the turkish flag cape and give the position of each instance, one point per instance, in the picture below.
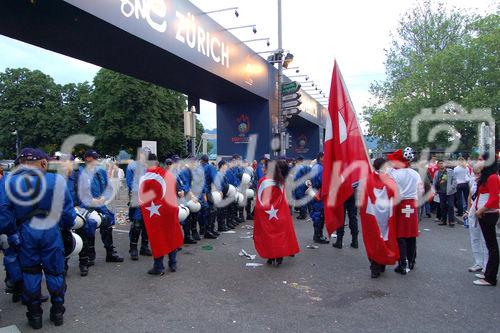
{"points": [[160, 212], [345, 159], [273, 234], [377, 212]]}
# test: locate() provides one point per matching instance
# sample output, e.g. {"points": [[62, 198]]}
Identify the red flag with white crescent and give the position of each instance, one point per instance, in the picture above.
{"points": [[378, 224], [345, 159], [160, 212], [274, 234]]}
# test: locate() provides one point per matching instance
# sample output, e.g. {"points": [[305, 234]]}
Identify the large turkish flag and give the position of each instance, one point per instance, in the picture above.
{"points": [[274, 234], [346, 160], [160, 212]]}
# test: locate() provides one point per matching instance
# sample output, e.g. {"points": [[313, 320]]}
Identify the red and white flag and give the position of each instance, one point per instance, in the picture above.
{"points": [[274, 234], [160, 212], [345, 159], [378, 224]]}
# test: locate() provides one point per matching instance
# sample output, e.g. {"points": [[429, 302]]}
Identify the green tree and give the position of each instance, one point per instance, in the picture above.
{"points": [[31, 103], [436, 56], [126, 110]]}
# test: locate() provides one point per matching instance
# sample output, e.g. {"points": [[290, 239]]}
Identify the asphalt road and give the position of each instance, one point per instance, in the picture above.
{"points": [[320, 290]]}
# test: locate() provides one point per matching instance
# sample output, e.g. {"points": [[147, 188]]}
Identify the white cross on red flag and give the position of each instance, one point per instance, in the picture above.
{"points": [[345, 158]]}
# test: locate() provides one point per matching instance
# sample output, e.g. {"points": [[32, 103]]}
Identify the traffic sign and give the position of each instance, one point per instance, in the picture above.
{"points": [[291, 97], [291, 104], [290, 88], [290, 111]]}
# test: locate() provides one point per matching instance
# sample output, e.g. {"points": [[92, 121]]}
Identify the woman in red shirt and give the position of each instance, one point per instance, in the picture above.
{"points": [[487, 211]]}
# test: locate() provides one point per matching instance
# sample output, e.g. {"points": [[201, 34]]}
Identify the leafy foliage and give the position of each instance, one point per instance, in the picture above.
{"points": [[436, 56], [119, 110]]}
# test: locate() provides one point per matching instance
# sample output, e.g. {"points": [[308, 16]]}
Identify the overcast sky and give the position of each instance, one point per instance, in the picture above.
{"points": [[354, 32]]}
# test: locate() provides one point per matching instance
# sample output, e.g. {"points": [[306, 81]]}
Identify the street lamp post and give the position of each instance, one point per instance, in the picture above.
{"points": [[16, 133], [281, 129]]}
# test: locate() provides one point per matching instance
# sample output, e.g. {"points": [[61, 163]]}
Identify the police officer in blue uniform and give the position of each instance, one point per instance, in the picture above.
{"points": [[233, 175], [94, 191], [83, 256], [300, 191], [221, 185], [317, 212], [135, 170], [252, 186], [190, 227], [13, 273], [36, 212], [206, 200]]}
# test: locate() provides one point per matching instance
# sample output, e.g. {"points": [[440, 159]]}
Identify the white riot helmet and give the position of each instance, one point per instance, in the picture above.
{"points": [[216, 198], [75, 247], [240, 199], [250, 193], [231, 191], [194, 206], [94, 215], [79, 220], [183, 213], [246, 179]]}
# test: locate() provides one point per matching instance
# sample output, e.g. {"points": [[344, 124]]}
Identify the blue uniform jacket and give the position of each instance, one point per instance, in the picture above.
{"points": [[133, 174], [54, 193], [300, 191], [259, 172], [233, 175], [317, 179], [93, 186], [221, 183], [185, 176], [210, 174]]}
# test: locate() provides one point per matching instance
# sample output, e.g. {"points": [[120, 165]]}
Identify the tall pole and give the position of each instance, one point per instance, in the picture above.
{"points": [[280, 79]]}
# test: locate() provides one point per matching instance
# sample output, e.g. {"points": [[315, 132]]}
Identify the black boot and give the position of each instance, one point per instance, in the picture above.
{"points": [[17, 291], [194, 229], [196, 235], [221, 223], [187, 234], [209, 235], [354, 242], [91, 250], [84, 270], [401, 268], [56, 314], [134, 254], [145, 251], [112, 256], [211, 228], [338, 242], [34, 316], [318, 236]]}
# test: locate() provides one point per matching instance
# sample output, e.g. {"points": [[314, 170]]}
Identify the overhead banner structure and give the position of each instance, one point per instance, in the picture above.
{"points": [[179, 27]]}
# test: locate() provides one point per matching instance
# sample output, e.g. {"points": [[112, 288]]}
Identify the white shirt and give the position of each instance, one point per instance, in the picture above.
{"points": [[408, 181], [462, 174]]}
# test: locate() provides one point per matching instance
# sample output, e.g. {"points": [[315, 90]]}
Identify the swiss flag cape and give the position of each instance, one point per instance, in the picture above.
{"points": [[377, 212], [345, 161], [158, 201], [273, 234]]}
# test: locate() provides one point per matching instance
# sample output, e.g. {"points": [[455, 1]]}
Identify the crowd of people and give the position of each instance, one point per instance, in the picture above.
{"points": [[65, 209]]}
